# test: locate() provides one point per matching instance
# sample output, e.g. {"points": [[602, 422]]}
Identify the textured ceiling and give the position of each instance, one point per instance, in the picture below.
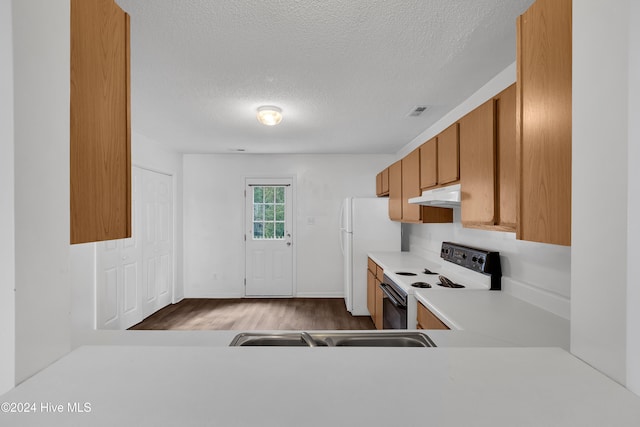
{"points": [[345, 73]]}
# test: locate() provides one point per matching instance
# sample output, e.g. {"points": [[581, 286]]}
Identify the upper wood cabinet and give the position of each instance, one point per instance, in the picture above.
{"points": [[544, 122], [382, 183], [439, 158], [100, 159], [385, 182], [404, 183], [488, 164], [395, 191], [411, 187], [448, 155], [429, 163], [505, 111], [478, 166]]}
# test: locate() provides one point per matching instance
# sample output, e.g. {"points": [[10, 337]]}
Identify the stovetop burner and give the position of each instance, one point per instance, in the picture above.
{"points": [[405, 273], [427, 271], [447, 283], [421, 285]]}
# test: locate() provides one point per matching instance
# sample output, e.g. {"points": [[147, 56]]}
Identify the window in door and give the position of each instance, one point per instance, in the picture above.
{"points": [[269, 212]]}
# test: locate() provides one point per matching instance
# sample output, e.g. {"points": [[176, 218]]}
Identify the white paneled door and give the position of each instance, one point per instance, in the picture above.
{"points": [[135, 275], [157, 241], [269, 237]]}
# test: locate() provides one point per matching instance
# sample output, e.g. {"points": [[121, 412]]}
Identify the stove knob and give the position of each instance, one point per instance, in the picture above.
{"points": [[480, 260], [474, 259]]}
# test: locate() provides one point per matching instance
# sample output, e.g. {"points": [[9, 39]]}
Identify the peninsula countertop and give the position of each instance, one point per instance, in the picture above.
{"points": [[278, 386]]}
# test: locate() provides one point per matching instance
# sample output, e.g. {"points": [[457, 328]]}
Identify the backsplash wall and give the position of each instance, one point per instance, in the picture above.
{"points": [[535, 272]]}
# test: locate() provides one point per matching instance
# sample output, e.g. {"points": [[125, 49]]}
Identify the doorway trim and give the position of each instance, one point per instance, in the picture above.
{"points": [[294, 231]]}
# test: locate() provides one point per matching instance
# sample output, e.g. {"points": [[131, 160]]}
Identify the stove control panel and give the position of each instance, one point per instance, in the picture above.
{"points": [[479, 260]]}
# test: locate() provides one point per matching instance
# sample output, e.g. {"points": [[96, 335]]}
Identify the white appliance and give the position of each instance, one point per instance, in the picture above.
{"points": [[364, 227], [444, 197]]}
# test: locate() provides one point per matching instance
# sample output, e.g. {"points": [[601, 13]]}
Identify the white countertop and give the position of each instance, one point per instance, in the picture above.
{"points": [[277, 386], [400, 260], [498, 315], [489, 313]]}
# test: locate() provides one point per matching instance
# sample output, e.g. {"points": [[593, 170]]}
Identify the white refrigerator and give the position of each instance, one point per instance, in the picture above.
{"points": [[364, 227]]}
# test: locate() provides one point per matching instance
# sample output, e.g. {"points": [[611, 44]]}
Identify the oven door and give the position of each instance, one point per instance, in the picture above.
{"points": [[394, 312]]}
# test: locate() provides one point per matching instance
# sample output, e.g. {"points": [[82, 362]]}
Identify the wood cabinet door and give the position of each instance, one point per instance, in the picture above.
{"points": [[411, 187], [448, 155], [505, 105], [429, 164], [371, 294], [427, 320], [100, 152], [379, 184], [478, 166], [544, 122], [395, 191], [385, 181], [371, 265], [378, 319]]}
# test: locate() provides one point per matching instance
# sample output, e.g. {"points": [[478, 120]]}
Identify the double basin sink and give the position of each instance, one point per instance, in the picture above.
{"points": [[333, 339]]}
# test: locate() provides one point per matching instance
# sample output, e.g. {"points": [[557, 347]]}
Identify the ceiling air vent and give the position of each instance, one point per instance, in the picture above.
{"points": [[418, 110]]}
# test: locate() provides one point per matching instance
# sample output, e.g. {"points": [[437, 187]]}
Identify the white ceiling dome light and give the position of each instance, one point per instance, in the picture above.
{"points": [[269, 115]]}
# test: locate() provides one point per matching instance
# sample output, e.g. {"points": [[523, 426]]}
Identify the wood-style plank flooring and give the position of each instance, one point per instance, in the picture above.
{"points": [[256, 314]]}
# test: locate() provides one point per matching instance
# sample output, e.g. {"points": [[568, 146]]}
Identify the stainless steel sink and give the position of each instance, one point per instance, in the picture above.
{"points": [[334, 339]]}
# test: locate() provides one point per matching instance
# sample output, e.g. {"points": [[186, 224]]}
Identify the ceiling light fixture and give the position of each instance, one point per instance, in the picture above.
{"points": [[269, 115]]}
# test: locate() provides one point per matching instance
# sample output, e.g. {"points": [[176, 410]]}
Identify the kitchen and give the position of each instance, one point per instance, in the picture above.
{"points": [[608, 341]]}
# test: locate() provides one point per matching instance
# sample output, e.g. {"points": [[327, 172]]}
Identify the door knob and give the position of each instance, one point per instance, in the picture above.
{"points": [[288, 243]]}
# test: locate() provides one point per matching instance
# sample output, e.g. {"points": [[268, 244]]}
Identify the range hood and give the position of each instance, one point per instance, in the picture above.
{"points": [[443, 197]]}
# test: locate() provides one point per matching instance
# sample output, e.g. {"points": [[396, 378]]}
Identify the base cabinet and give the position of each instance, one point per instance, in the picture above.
{"points": [[428, 320], [375, 296]]}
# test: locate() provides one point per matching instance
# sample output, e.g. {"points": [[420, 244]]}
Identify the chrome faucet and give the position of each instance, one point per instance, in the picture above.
{"points": [[308, 339]]}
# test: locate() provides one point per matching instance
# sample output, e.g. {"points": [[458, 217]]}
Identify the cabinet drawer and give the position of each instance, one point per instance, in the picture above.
{"points": [[379, 272], [371, 265], [428, 320]]}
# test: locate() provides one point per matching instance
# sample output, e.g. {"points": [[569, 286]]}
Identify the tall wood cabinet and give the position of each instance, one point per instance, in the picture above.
{"points": [[544, 122], [100, 159]]}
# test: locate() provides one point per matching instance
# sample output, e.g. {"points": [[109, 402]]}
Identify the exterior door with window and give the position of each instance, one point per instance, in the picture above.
{"points": [[268, 236]]}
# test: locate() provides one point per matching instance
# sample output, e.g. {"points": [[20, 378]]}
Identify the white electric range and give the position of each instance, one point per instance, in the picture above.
{"points": [[461, 268]]}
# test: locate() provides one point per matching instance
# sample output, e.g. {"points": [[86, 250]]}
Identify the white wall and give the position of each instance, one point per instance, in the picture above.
{"points": [[600, 150], [7, 240], [534, 272], [633, 232], [41, 126], [145, 153], [214, 217]]}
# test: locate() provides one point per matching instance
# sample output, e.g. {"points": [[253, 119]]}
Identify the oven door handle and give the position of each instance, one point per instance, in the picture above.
{"points": [[391, 297]]}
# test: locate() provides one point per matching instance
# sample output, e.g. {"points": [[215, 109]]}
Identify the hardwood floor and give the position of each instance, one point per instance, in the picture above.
{"points": [[256, 314]]}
